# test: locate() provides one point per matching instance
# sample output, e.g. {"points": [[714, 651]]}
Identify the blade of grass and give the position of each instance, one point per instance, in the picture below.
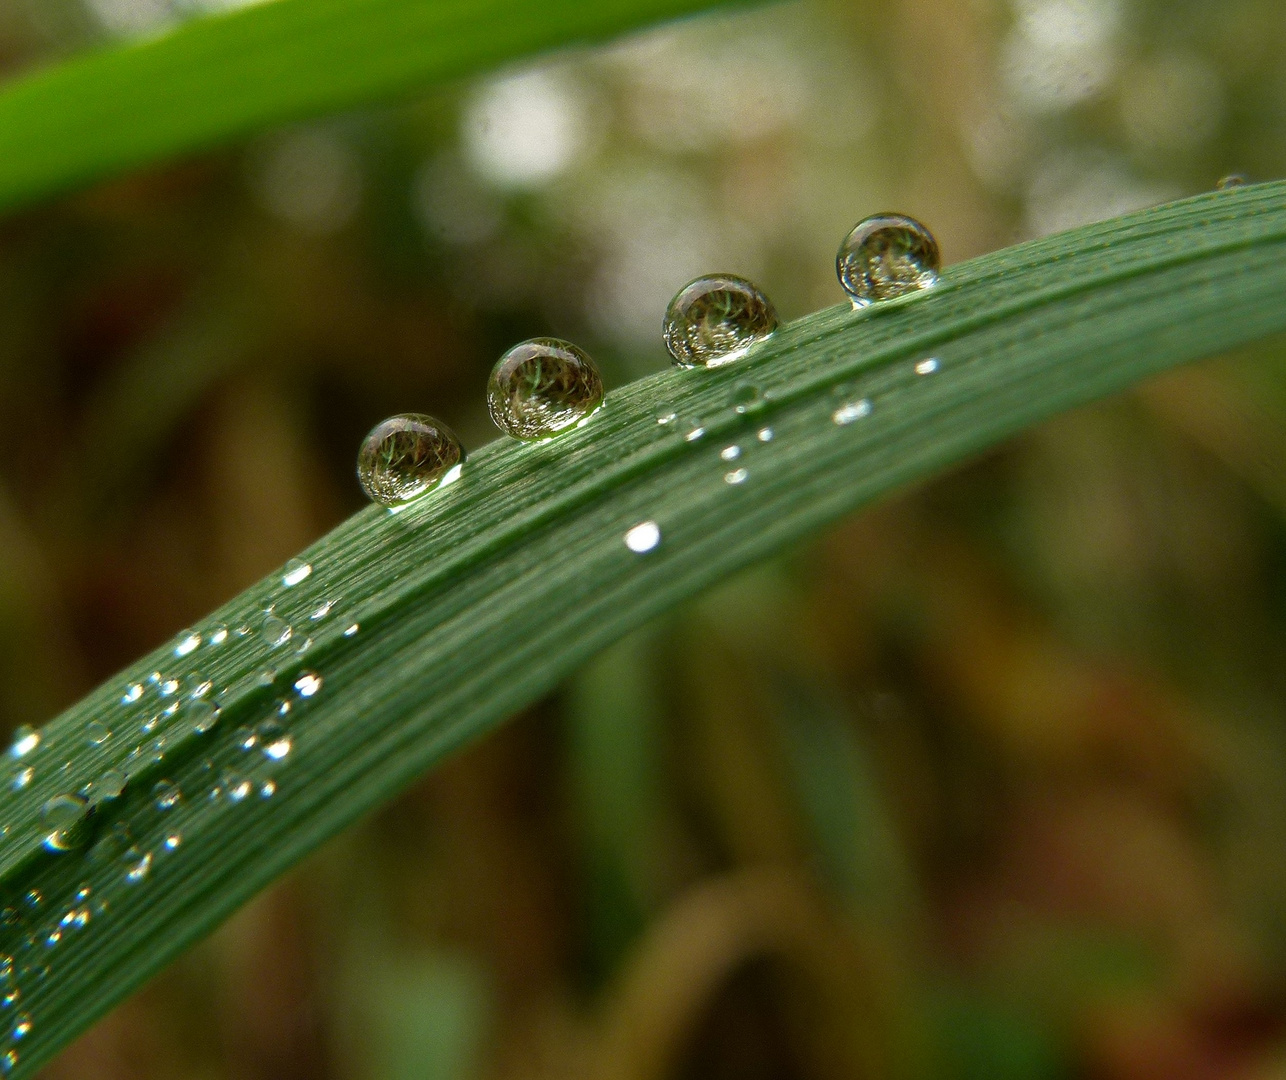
{"points": [[416, 631], [216, 78]]}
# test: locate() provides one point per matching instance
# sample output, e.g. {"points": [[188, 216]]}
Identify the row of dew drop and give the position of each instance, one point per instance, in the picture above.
{"points": [[544, 387]]}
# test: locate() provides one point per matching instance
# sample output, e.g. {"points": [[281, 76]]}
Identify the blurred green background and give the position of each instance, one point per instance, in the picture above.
{"points": [[987, 783]]}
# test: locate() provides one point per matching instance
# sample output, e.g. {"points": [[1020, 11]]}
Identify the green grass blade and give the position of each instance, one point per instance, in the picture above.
{"points": [[217, 78], [481, 597]]}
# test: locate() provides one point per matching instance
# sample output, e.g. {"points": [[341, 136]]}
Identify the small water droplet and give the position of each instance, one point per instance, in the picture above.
{"points": [[693, 431], [10, 998], [715, 320], [308, 684], [188, 644], [218, 636], [22, 778], [8, 1061], [737, 476], [1230, 182], [173, 841], [245, 738], [138, 865], [21, 1026], [276, 630], [746, 398], [66, 819], [6, 966], [321, 612], [927, 367], [278, 749], [886, 256], [542, 387], [730, 453], [765, 434], [296, 571], [238, 787], [132, 693], [25, 740], [303, 646], [169, 687], [644, 537], [851, 411], [201, 689], [268, 789], [166, 795], [352, 630], [110, 785], [665, 414], [97, 733], [406, 456]]}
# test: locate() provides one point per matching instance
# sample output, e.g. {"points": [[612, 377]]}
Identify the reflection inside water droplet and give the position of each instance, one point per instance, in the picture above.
{"points": [[96, 733], [542, 387], [644, 537], [406, 456], [715, 320], [276, 630], [66, 819]]}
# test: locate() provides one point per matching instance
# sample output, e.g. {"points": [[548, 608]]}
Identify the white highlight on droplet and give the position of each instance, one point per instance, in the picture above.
{"points": [[295, 574], [730, 453], [851, 411], [644, 537], [188, 645], [308, 684], [927, 367], [737, 476]]}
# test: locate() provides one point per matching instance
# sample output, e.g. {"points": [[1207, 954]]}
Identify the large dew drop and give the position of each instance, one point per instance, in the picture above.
{"points": [[405, 456], [542, 387], [885, 256], [715, 320]]}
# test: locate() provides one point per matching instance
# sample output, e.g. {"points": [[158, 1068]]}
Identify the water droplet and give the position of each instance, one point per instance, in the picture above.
{"points": [[266, 677], [885, 256], [851, 411], [8, 1061], [644, 537], [201, 689], [730, 453], [1231, 181], [166, 795], [352, 630], [665, 414], [111, 785], [716, 320], [278, 749], [245, 738], [238, 787], [132, 693], [694, 431], [138, 865], [169, 687], [188, 643], [746, 398], [765, 434], [308, 684], [173, 841], [303, 646], [21, 1026], [25, 740], [97, 733], [321, 612], [406, 456], [296, 571], [22, 778], [927, 367], [10, 998], [542, 387], [218, 636], [276, 630], [268, 789], [6, 966], [737, 476], [66, 817]]}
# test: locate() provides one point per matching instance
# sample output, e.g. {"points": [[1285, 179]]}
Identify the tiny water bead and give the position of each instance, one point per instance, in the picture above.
{"points": [[765, 435], [308, 684], [715, 320], [25, 740], [132, 693], [66, 819], [542, 387], [886, 256], [166, 795], [276, 630], [97, 733], [403, 457], [746, 398], [1231, 181], [730, 453], [850, 412], [736, 477], [296, 571], [188, 644], [665, 414], [927, 367], [643, 537], [22, 778]]}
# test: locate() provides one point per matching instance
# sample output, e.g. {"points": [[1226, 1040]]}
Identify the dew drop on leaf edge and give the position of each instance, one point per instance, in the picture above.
{"points": [[543, 387], [887, 256], [406, 456], [715, 320]]}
